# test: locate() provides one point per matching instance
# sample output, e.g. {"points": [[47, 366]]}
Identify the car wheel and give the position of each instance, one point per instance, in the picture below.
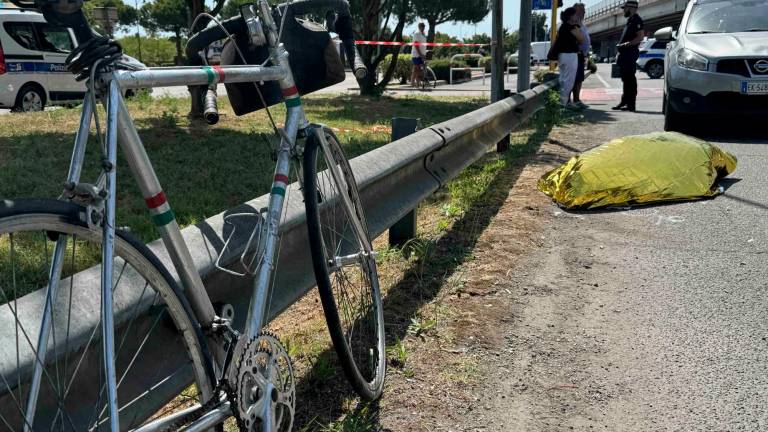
{"points": [[655, 69], [673, 120], [31, 97]]}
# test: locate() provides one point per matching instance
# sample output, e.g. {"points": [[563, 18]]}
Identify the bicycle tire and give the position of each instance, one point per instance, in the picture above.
{"points": [[20, 223], [429, 78], [363, 365]]}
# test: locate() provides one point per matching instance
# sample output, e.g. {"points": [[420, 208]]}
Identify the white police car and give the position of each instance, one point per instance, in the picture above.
{"points": [[651, 60], [32, 55]]}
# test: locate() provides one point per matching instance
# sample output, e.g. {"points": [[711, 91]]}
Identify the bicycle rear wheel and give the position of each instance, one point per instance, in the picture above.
{"points": [[344, 265], [151, 316]]}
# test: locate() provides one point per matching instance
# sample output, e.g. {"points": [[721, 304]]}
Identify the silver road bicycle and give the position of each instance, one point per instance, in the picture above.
{"points": [[96, 333]]}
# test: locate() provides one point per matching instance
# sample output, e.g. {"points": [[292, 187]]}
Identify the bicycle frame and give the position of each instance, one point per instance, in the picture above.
{"points": [[121, 131]]}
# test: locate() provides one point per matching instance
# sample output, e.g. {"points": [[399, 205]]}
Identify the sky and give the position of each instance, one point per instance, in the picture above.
{"points": [[511, 10]]}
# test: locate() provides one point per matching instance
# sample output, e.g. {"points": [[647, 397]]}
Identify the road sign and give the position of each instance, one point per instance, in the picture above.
{"points": [[545, 4]]}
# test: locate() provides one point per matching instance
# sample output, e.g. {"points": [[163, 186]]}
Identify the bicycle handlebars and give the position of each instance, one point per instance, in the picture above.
{"points": [[211, 109]]}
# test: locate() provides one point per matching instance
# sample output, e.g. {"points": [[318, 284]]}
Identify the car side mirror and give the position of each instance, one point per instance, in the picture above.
{"points": [[664, 35]]}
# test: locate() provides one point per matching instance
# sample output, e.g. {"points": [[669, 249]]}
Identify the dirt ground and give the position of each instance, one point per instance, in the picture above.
{"points": [[487, 328]]}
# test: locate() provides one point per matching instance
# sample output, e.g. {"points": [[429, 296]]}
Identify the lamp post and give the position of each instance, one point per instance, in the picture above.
{"points": [[524, 51], [138, 30], [497, 51]]}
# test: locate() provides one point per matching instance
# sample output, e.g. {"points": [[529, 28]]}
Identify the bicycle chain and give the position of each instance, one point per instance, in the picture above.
{"points": [[223, 386], [197, 414]]}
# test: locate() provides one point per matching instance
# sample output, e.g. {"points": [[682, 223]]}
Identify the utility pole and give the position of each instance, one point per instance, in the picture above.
{"points": [[554, 31], [524, 52], [497, 51], [138, 30]]}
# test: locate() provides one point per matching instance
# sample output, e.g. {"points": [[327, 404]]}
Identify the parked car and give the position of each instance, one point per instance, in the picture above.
{"points": [[32, 56], [651, 60], [515, 56], [717, 63]]}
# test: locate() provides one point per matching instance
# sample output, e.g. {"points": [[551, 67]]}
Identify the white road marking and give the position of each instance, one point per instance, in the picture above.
{"points": [[602, 80]]}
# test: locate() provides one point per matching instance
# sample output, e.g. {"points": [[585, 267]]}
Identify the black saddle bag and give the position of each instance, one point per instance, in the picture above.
{"points": [[313, 55]]}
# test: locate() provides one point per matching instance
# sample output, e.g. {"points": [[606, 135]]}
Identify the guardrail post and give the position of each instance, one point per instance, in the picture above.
{"points": [[404, 229], [503, 145]]}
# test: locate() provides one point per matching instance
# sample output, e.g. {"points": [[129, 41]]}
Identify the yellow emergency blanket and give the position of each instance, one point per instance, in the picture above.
{"points": [[640, 169]]}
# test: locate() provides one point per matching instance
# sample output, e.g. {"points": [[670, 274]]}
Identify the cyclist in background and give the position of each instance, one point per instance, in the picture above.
{"points": [[418, 55]]}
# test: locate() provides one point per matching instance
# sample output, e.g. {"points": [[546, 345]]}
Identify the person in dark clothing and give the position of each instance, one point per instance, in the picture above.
{"points": [[628, 54]]}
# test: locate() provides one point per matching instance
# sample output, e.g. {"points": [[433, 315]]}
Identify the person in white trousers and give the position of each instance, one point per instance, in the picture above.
{"points": [[567, 62], [567, 46]]}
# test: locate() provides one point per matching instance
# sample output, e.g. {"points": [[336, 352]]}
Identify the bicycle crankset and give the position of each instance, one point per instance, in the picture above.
{"points": [[263, 395]]}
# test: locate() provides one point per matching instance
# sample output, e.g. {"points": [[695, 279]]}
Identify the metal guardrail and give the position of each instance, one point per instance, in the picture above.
{"points": [[457, 57], [393, 180]]}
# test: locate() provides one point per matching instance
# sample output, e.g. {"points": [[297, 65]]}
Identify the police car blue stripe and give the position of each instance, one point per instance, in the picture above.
{"points": [[650, 55], [35, 67]]}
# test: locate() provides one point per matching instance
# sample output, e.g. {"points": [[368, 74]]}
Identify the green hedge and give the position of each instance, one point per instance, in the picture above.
{"points": [[442, 68], [402, 69], [154, 51]]}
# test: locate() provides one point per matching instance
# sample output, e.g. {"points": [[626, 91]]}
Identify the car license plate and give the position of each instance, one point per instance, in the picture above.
{"points": [[759, 87]]}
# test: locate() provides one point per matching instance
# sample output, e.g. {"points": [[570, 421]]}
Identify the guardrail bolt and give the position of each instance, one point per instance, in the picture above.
{"points": [[404, 229]]}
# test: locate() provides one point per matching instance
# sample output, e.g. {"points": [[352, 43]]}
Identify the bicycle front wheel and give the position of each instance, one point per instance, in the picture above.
{"points": [[344, 265], [161, 361]]}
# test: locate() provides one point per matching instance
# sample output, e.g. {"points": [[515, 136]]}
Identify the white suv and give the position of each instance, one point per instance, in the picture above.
{"points": [[32, 55], [718, 61]]}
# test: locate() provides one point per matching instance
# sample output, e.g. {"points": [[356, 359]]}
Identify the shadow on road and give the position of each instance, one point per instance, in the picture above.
{"points": [[732, 129], [747, 201]]}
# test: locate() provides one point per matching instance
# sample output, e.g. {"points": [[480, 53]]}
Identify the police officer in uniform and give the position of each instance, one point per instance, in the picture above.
{"points": [[628, 54]]}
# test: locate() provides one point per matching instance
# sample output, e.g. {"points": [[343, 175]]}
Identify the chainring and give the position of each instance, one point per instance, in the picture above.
{"points": [[263, 389]]}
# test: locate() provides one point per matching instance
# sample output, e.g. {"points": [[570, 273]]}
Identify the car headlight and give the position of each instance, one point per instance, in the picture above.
{"points": [[691, 60]]}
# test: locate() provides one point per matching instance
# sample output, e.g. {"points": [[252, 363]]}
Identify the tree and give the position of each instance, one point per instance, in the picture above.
{"points": [[440, 52], [442, 11], [538, 26], [511, 41], [371, 20], [167, 15]]}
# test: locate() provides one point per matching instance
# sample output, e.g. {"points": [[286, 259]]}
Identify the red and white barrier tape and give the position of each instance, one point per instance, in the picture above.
{"points": [[437, 44]]}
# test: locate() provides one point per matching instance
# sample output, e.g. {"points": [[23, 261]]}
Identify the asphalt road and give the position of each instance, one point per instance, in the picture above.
{"points": [[652, 318]]}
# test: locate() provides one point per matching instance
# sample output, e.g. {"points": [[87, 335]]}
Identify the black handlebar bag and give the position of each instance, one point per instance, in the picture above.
{"points": [[314, 59]]}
